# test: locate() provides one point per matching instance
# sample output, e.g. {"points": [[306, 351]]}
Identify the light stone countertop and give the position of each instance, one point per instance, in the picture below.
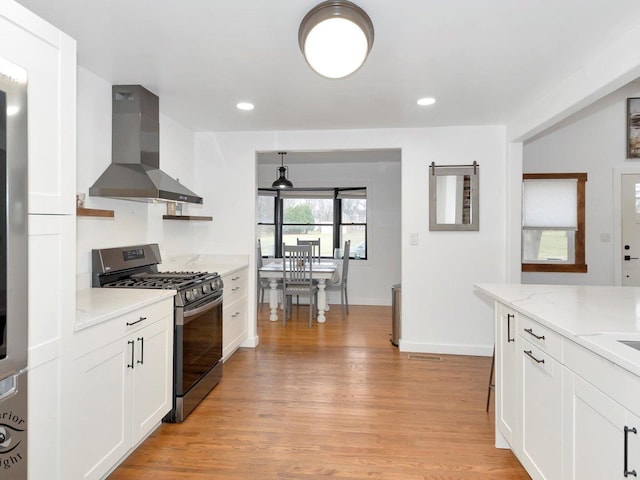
{"points": [[97, 305], [595, 317], [223, 264]]}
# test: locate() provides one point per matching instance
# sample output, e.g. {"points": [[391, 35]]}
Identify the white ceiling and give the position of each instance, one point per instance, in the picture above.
{"points": [[483, 60]]}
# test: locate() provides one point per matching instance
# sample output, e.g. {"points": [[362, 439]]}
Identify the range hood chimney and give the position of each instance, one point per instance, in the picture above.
{"points": [[134, 173]]}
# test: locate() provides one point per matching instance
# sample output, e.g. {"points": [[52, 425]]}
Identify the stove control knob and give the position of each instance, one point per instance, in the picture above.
{"points": [[195, 292], [188, 296], [214, 285], [205, 288]]}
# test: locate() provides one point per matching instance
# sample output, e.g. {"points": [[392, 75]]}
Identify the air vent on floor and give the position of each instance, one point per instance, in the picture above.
{"points": [[417, 356]]}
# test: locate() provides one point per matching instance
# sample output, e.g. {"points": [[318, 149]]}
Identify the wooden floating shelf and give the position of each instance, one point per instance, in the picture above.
{"points": [[187, 217], [93, 212]]}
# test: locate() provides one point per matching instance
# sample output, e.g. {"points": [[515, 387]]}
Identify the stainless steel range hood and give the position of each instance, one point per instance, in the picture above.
{"points": [[134, 173]]}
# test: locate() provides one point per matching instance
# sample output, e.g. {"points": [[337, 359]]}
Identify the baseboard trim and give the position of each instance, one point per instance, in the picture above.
{"points": [[444, 349]]}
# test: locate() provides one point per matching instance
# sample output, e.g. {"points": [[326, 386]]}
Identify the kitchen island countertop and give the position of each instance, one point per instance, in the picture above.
{"points": [[596, 317]]}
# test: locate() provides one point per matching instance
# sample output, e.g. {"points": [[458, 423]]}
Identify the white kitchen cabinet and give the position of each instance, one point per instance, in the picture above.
{"points": [[51, 306], [234, 328], [540, 377], [49, 56], [541, 416], [506, 371], [594, 426], [122, 384], [152, 376]]}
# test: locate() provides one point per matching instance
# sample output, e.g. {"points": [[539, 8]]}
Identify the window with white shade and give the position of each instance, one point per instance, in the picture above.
{"points": [[553, 222]]}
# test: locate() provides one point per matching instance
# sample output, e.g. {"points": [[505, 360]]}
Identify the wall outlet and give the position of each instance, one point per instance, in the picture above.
{"points": [[413, 239]]}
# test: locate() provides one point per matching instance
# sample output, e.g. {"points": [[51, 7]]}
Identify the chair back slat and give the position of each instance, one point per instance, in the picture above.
{"points": [[297, 264], [315, 248], [259, 260], [345, 261]]}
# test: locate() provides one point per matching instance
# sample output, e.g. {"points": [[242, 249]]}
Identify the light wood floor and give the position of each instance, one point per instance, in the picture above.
{"points": [[335, 400]]}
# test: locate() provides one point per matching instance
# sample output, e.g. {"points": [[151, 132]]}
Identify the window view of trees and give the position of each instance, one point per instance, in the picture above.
{"points": [[309, 219], [309, 216]]}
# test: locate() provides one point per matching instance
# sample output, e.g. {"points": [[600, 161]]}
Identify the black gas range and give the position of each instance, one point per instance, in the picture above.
{"points": [[197, 316], [191, 286]]}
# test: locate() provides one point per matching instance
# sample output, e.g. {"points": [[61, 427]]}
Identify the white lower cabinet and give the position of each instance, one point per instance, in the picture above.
{"points": [[602, 437], [541, 427], [151, 377], [122, 388], [102, 418], [577, 413], [506, 374], [234, 315]]}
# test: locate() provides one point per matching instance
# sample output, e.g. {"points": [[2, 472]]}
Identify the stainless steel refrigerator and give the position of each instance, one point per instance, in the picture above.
{"points": [[13, 271]]}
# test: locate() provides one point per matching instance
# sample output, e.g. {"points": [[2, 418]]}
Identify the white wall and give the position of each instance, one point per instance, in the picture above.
{"points": [[441, 312], [592, 141], [134, 222], [369, 280]]}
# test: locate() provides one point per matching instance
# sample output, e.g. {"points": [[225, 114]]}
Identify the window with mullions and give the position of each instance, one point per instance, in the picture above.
{"points": [[353, 221], [332, 215], [266, 211], [553, 222]]}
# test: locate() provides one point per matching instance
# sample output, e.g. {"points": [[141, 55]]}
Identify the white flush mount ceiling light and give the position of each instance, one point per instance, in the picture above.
{"points": [[426, 101], [335, 38], [244, 106]]}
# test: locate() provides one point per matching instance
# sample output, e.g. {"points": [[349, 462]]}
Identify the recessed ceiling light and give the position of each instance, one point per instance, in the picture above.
{"points": [[12, 110], [426, 101], [245, 106]]}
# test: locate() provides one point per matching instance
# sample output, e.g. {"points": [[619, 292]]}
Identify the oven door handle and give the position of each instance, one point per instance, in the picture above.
{"points": [[188, 315]]}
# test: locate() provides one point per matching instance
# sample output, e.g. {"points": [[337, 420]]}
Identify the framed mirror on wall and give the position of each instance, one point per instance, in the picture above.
{"points": [[454, 197]]}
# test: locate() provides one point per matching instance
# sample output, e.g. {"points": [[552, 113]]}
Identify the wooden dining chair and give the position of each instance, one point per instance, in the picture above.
{"points": [[315, 248], [297, 278], [341, 284]]}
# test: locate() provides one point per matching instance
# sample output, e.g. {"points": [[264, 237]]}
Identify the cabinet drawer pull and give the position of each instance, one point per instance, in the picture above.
{"points": [[235, 288], [141, 340], [530, 332], [628, 472], [235, 315], [131, 365], [141, 319], [530, 354], [509, 317], [233, 279]]}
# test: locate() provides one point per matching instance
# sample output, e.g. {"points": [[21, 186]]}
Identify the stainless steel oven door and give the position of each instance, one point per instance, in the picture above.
{"points": [[198, 342], [13, 219]]}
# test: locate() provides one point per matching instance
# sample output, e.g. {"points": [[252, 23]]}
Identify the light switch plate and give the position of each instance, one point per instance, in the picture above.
{"points": [[413, 239]]}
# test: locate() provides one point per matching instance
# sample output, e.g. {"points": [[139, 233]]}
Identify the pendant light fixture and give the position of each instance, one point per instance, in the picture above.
{"points": [[282, 181], [335, 38]]}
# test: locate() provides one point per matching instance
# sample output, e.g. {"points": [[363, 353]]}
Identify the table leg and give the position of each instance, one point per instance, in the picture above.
{"points": [[273, 300], [322, 301]]}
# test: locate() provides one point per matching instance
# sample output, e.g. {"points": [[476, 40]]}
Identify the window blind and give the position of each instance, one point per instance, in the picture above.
{"points": [[550, 204]]}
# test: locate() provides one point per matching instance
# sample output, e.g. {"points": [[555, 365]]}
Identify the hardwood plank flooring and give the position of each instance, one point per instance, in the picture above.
{"points": [[336, 400]]}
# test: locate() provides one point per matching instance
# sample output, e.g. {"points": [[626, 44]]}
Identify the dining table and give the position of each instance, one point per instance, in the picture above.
{"points": [[323, 272]]}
